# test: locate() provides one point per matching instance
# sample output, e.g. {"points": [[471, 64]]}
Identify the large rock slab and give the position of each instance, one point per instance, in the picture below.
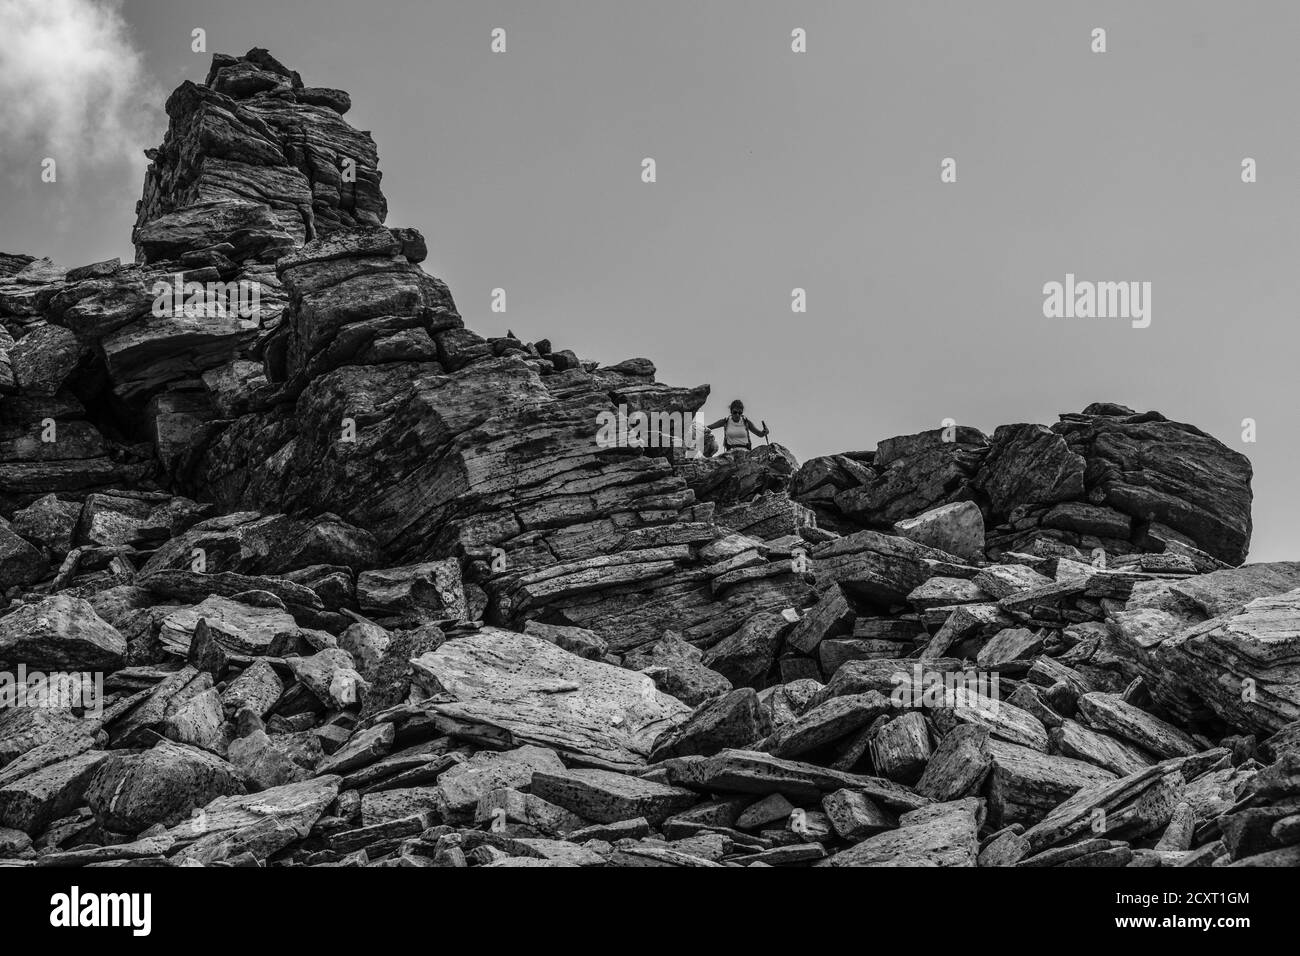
{"points": [[736, 719], [957, 528], [826, 723], [184, 707], [959, 764], [879, 567], [1025, 785], [749, 771], [943, 834], [259, 823], [423, 592], [604, 796], [1029, 465], [745, 657], [535, 692], [1168, 472], [1127, 808], [1082, 742], [1222, 592], [30, 802], [131, 792], [1245, 666], [241, 628], [461, 787], [20, 562], [909, 474], [61, 633], [676, 667], [1109, 712]]}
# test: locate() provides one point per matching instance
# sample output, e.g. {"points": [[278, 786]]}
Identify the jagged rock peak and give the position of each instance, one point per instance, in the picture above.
{"points": [[254, 154]]}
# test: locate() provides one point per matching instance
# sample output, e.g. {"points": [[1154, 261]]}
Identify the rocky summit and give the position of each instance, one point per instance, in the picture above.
{"points": [[297, 570]]}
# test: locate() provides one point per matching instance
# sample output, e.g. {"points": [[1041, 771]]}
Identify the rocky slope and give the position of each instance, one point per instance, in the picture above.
{"points": [[365, 589]]}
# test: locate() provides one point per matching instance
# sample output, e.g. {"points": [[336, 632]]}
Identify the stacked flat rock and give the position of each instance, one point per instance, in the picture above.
{"points": [[352, 585]]}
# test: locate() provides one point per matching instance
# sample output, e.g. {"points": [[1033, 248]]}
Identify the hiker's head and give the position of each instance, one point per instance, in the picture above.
{"points": [[737, 407]]}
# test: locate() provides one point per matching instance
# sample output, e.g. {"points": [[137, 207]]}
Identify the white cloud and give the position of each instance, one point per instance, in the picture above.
{"points": [[72, 87]]}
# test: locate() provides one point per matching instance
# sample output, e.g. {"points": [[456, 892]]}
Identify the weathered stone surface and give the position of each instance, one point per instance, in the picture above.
{"points": [[1221, 592], [132, 792], [423, 592], [48, 523], [907, 475], [260, 823], [745, 657], [1158, 470], [747, 771], [732, 479], [677, 669], [538, 693], [1025, 785], [258, 688], [1076, 740], [1004, 580], [876, 567], [735, 719], [20, 562], [943, 592], [900, 748], [242, 628], [1009, 644], [965, 621], [854, 816], [1110, 713], [530, 810], [61, 633], [1004, 721], [830, 616], [825, 723], [959, 764], [461, 787], [184, 707], [1260, 644], [44, 358], [365, 746], [1129, 807], [263, 763], [606, 797], [575, 640], [957, 528], [31, 801], [943, 834], [1029, 465], [25, 729]]}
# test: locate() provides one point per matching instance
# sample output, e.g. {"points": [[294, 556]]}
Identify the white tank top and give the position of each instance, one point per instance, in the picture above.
{"points": [[736, 433]]}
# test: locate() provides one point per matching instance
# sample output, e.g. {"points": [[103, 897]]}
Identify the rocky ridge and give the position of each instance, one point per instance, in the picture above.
{"points": [[365, 590]]}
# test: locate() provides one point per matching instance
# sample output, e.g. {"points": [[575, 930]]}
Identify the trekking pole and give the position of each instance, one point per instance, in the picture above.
{"points": [[765, 433]]}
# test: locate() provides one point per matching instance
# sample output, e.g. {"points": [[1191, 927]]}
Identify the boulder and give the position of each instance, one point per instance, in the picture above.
{"points": [[61, 633], [956, 528], [132, 792], [535, 692]]}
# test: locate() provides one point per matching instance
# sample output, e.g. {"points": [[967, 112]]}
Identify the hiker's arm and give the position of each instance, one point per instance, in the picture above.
{"points": [[718, 424], [761, 433]]}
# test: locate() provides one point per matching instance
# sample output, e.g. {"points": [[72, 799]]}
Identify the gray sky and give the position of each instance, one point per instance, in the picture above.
{"points": [[779, 170]]}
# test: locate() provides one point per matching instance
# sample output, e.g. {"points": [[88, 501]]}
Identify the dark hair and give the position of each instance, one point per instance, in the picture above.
{"points": [[736, 402]]}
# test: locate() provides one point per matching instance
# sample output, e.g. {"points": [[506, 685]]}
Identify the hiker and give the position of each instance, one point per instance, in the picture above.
{"points": [[737, 428]]}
